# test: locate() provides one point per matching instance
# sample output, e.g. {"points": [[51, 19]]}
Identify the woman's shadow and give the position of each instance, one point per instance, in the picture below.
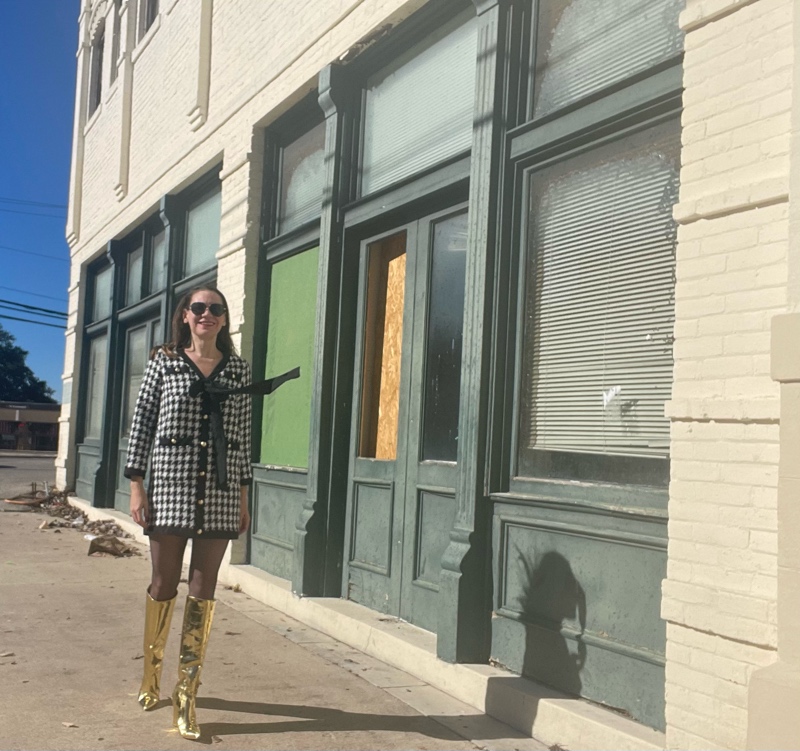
{"points": [[553, 607], [312, 719]]}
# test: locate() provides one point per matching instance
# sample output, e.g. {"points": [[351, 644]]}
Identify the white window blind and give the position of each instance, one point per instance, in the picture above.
{"points": [[418, 111], [101, 304], [134, 281], [302, 176], [586, 45], [158, 262], [95, 397], [202, 232], [600, 299]]}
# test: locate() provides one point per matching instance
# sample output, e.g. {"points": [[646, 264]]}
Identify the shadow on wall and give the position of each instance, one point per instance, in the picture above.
{"points": [[551, 599], [551, 606]]}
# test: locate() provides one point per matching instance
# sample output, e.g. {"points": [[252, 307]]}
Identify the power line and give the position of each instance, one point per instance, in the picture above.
{"points": [[32, 213], [31, 308], [33, 253], [27, 320], [33, 294], [33, 203]]}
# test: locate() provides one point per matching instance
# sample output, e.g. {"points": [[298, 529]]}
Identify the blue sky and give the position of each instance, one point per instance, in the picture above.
{"points": [[37, 89]]}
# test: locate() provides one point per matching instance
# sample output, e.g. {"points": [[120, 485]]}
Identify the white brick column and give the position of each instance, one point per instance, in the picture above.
{"points": [[720, 597], [775, 690]]}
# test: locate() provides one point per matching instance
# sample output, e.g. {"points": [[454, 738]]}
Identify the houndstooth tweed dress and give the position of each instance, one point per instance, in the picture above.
{"points": [[190, 449]]}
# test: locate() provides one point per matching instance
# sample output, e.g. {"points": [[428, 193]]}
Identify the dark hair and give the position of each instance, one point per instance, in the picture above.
{"points": [[181, 334]]}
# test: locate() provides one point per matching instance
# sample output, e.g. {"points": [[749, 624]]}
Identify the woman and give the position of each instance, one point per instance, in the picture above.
{"points": [[195, 414]]}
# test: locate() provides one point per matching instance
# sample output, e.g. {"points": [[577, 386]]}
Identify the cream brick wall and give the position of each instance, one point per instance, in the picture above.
{"points": [[720, 595]]}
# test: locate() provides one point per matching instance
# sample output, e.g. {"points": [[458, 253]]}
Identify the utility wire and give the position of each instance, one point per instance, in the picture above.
{"points": [[33, 294], [35, 307], [27, 320], [33, 203], [33, 253], [31, 309], [32, 213]]}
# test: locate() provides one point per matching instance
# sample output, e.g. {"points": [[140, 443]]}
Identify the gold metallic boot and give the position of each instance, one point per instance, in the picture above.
{"points": [[157, 617], [196, 628]]}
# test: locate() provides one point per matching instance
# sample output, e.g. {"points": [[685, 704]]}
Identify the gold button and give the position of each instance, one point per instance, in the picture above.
{"points": [[205, 417], [203, 444], [202, 474], [200, 502], [173, 440], [199, 531]]}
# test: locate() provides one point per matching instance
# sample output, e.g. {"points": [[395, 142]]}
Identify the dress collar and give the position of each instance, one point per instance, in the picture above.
{"points": [[220, 366]]}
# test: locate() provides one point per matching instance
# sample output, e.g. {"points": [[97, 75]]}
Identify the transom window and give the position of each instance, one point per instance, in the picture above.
{"points": [[418, 110]]}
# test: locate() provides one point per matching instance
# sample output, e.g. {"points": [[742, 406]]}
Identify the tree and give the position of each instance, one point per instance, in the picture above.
{"points": [[17, 381]]}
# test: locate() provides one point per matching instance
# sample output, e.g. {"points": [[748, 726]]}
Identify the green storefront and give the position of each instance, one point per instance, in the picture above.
{"points": [[467, 245]]}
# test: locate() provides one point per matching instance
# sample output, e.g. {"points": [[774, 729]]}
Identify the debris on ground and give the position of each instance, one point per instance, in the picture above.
{"points": [[234, 587], [105, 536], [111, 545]]}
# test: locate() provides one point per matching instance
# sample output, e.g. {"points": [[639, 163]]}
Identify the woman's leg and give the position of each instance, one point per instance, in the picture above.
{"points": [[166, 554], [207, 557]]}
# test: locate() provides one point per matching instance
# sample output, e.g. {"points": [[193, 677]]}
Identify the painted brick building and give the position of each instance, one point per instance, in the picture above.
{"points": [[538, 261]]}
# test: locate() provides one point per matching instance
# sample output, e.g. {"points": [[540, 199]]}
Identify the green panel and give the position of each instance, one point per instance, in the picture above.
{"points": [[578, 605], [290, 342], [276, 506]]}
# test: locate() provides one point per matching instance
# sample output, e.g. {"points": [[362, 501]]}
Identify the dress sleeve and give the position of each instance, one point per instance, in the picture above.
{"points": [[145, 417], [244, 420]]}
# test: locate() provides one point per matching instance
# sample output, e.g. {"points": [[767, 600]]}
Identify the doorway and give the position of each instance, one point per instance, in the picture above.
{"points": [[404, 425]]}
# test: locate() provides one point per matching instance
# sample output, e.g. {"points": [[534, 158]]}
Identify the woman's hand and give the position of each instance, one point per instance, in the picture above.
{"points": [[244, 512], [140, 507]]}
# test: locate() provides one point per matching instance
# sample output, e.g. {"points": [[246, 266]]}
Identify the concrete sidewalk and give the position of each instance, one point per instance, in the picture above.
{"points": [[70, 665]]}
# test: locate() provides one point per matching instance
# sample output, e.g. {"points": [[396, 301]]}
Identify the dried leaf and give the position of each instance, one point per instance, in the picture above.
{"points": [[233, 633], [7, 654], [69, 724]]}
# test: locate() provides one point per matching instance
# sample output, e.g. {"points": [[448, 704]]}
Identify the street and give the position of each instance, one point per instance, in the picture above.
{"points": [[19, 469]]}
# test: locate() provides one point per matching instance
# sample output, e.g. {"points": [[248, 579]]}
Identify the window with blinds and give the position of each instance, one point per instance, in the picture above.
{"points": [[584, 45], [599, 313], [418, 111], [302, 176]]}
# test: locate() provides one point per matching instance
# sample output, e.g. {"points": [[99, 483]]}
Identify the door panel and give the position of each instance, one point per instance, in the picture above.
{"points": [[431, 467], [401, 503], [375, 520]]}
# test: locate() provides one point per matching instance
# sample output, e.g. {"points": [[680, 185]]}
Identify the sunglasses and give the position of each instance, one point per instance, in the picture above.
{"points": [[216, 309]]}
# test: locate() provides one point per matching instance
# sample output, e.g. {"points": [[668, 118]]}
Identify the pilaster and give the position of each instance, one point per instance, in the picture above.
{"points": [[465, 595], [319, 535]]}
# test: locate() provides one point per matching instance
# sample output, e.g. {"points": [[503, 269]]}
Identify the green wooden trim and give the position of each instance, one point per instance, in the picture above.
{"points": [[637, 99], [465, 612], [294, 242], [399, 203], [319, 537]]}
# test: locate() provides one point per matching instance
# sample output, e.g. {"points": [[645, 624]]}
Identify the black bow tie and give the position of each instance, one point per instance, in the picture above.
{"points": [[216, 396]]}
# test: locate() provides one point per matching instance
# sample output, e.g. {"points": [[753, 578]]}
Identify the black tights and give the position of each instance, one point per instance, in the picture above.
{"points": [[166, 553]]}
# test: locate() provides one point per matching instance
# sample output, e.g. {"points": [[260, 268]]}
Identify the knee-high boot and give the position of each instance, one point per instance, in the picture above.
{"points": [[196, 627], [157, 618]]}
